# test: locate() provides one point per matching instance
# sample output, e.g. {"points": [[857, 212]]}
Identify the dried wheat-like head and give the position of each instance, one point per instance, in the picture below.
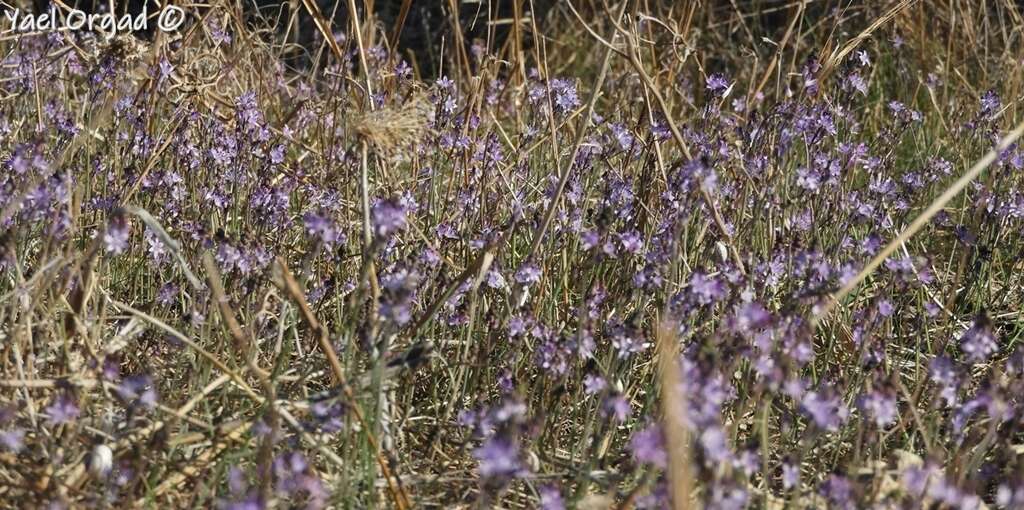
{"points": [[394, 127]]}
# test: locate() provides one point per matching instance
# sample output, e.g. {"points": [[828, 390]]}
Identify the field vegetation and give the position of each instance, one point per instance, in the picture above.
{"points": [[737, 254]]}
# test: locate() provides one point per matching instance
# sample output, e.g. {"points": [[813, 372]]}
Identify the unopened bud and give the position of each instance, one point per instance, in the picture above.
{"points": [[101, 460]]}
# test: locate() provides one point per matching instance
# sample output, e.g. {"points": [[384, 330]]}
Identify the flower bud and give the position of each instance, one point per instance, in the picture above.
{"points": [[101, 460]]}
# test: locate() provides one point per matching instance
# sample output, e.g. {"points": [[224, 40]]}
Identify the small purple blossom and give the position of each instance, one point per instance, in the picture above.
{"points": [[945, 374], [715, 444], [631, 242], [706, 289], [388, 217], [295, 478], [551, 498], [990, 102], [327, 416], [979, 342], [881, 407], [528, 274], [137, 391], [825, 409], [717, 84], [594, 384], [499, 459], [617, 407], [63, 409], [648, 446], [790, 475], [858, 84], [839, 492], [566, 98], [115, 237], [13, 440]]}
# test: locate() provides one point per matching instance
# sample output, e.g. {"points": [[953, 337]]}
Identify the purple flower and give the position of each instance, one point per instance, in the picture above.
{"points": [[218, 34], [248, 111], [237, 482], [790, 475], [13, 440], [617, 406], [728, 496], [249, 502], [115, 238], [706, 289], [928, 481], [551, 498], [593, 384], [717, 84], [387, 218], [862, 58], [156, 250], [626, 339], [167, 294], [979, 342], [446, 231], [885, 308], [944, 374], [445, 83], [290, 464], [499, 459], [137, 391], [916, 479], [518, 325], [495, 280], [749, 461], [989, 102], [1008, 496], [566, 98], [857, 83], [881, 406], [648, 446], [808, 179], [839, 491], [277, 154], [715, 444], [294, 477], [399, 294], [825, 409], [1015, 363], [631, 242], [623, 137], [810, 76], [528, 274], [166, 67], [553, 356], [327, 416], [63, 409], [750, 317]]}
